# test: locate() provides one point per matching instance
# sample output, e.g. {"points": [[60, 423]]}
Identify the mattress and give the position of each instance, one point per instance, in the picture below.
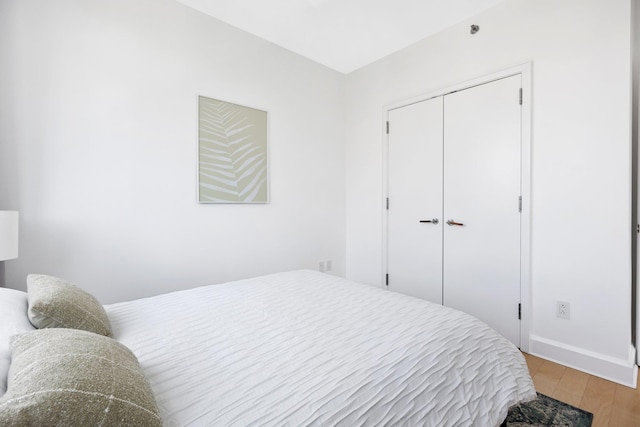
{"points": [[306, 348]]}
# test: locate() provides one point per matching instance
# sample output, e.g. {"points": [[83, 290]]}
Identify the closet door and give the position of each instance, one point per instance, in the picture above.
{"points": [[414, 234], [481, 203]]}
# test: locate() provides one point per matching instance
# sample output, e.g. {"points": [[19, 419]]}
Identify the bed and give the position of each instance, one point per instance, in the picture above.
{"points": [[306, 348]]}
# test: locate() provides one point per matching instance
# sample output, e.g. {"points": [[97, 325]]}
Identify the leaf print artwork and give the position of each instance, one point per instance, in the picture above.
{"points": [[232, 153]]}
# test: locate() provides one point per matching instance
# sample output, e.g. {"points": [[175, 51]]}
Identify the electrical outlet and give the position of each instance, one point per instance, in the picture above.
{"points": [[329, 265], [562, 310], [322, 267]]}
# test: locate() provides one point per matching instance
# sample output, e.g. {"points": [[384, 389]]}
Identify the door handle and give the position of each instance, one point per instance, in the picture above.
{"points": [[432, 221], [452, 222]]}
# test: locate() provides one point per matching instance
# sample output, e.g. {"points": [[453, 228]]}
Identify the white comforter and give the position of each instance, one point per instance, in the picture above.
{"points": [[304, 348]]}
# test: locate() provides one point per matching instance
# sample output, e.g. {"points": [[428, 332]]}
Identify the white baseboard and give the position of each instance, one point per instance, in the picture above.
{"points": [[620, 371]]}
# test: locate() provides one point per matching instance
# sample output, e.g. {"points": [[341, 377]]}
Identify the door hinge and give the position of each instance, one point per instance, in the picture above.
{"points": [[519, 311], [387, 127], [386, 279], [520, 204], [520, 98], [387, 203]]}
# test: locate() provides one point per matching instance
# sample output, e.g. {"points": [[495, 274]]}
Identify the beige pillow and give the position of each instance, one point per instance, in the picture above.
{"points": [[68, 377], [56, 303]]}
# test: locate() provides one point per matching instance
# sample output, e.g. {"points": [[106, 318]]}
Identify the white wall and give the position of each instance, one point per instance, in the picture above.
{"points": [[635, 46], [98, 146], [581, 164]]}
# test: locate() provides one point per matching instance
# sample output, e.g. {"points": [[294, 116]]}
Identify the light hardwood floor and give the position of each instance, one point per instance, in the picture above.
{"points": [[612, 405]]}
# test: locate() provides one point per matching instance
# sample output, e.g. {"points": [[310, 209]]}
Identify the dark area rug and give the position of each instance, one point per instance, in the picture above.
{"points": [[547, 412]]}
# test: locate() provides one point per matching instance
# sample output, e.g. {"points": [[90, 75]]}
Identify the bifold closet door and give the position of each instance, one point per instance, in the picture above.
{"points": [[481, 265], [414, 251]]}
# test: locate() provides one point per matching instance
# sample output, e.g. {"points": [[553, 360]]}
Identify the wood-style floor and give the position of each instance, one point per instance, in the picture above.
{"points": [[612, 405]]}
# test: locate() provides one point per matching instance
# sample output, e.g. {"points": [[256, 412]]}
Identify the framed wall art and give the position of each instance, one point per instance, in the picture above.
{"points": [[232, 153]]}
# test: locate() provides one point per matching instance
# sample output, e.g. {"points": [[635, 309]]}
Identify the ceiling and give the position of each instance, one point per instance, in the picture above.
{"points": [[342, 34]]}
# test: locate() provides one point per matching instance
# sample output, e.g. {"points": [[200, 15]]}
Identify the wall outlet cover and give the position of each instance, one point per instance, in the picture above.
{"points": [[563, 310]]}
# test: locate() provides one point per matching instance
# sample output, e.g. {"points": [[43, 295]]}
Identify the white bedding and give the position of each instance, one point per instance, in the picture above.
{"points": [[13, 321], [305, 348]]}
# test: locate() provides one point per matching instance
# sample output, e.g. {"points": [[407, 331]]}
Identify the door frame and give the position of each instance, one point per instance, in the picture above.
{"points": [[524, 70]]}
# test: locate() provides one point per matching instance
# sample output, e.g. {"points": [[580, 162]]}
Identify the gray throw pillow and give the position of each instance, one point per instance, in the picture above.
{"points": [[56, 303], [68, 377]]}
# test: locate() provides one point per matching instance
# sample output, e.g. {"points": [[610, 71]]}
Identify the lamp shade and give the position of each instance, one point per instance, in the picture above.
{"points": [[8, 235]]}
